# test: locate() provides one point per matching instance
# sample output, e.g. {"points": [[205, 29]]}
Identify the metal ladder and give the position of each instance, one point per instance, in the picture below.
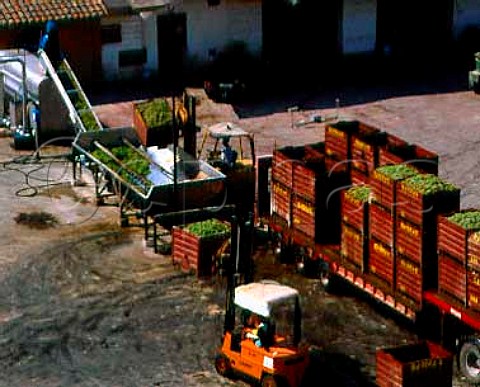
{"points": [[80, 110]]}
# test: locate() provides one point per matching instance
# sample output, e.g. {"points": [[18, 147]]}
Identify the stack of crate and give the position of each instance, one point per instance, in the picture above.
{"points": [[316, 199], [283, 161], [305, 196], [457, 260], [354, 238], [420, 199], [382, 215]]}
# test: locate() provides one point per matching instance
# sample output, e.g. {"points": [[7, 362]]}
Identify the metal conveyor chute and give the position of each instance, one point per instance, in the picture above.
{"points": [[80, 110]]}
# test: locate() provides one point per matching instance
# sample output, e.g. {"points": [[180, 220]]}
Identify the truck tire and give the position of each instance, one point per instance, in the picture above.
{"points": [[469, 361], [223, 366]]}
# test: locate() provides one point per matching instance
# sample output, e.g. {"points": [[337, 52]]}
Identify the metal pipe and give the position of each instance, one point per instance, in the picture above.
{"points": [[22, 61]]}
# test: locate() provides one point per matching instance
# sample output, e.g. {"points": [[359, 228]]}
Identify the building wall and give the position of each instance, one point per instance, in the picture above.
{"points": [[132, 38], [359, 26], [81, 42], [466, 13], [211, 28]]}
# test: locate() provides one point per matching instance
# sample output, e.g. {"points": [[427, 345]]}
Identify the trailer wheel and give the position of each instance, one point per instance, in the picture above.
{"points": [[324, 274], [223, 366], [469, 360]]}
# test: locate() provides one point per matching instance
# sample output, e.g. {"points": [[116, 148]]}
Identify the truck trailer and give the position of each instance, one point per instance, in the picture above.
{"points": [[343, 210]]}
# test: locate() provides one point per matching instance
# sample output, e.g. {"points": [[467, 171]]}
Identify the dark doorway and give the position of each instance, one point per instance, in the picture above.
{"points": [[414, 30], [172, 44], [301, 35]]}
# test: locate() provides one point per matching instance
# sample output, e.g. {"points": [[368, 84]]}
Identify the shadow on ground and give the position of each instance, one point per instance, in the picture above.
{"points": [[334, 370]]}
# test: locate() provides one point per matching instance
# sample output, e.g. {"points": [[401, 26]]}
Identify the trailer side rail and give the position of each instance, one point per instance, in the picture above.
{"points": [[470, 318]]}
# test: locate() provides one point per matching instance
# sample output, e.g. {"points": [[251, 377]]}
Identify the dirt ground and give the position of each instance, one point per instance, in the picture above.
{"points": [[86, 303]]}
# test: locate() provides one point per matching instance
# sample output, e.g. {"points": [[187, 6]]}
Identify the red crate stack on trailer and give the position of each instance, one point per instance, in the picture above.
{"points": [[384, 183], [283, 161], [316, 204], [420, 199], [354, 238], [455, 234]]}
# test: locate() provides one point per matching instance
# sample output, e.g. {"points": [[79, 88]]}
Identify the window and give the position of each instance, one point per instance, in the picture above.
{"points": [[132, 57], [111, 33]]}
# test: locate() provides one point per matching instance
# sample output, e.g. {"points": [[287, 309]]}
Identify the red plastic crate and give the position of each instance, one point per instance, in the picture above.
{"points": [[473, 289], [452, 278], [365, 146], [382, 224], [195, 254], [473, 258], [425, 161], [417, 242], [393, 151], [281, 201], [453, 239], [381, 262], [308, 178], [355, 212], [398, 151], [358, 177], [420, 364], [337, 139], [409, 281], [160, 136], [419, 208], [304, 216], [384, 189], [354, 247], [333, 165]]}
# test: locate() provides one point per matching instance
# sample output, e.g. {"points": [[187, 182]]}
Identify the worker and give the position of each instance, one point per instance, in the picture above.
{"points": [[254, 328], [229, 155]]}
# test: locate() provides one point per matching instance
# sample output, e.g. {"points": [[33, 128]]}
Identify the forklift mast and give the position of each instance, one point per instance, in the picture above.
{"points": [[240, 262]]}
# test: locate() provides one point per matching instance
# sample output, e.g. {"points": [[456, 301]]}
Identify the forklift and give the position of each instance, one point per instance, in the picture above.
{"points": [[272, 353]]}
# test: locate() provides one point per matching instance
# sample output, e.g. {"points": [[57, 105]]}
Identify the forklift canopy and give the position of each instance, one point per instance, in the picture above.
{"points": [[226, 129], [260, 297]]}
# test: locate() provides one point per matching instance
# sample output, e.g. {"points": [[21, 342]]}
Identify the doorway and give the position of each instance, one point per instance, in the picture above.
{"points": [[172, 45]]}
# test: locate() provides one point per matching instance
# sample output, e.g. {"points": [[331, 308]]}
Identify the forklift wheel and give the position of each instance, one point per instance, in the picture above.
{"points": [[223, 366], [269, 381]]}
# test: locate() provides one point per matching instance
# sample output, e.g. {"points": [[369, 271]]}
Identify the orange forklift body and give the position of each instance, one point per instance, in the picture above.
{"points": [[274, 366]]}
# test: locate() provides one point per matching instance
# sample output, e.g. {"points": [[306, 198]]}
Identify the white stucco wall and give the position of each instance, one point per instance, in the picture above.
{"points": [[132, 38], [359, 26], [465, 13], [150, 42], [211, 28]]}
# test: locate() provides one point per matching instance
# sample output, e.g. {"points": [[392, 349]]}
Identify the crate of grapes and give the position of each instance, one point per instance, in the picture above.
{"points": [[152, 120], [384, 183], [454, 231], [195, 246], [425, 196]]}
